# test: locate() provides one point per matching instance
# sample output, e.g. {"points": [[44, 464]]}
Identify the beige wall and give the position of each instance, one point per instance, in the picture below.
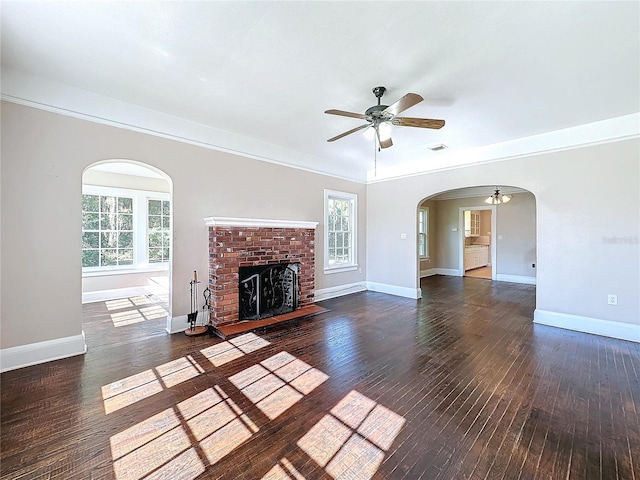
{"points": [[516, 240], [485, 223], [43, 158], [587, 248]]}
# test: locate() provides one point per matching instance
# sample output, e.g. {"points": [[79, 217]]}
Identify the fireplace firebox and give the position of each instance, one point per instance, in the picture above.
{"points": [[267, 290]]}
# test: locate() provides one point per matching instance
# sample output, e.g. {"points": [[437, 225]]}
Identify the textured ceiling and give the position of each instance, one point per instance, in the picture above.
{"points": [[259, 75]]}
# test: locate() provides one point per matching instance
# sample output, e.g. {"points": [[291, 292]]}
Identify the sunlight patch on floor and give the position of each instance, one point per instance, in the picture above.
{"points": [[161, 446], [156, 311], [158, 446], [135, 310], [277, 383], [350, 442], [130, 390], [129, 317], [225, 352], [283, 470], [141, 300], [121, 319], [118, 304]]}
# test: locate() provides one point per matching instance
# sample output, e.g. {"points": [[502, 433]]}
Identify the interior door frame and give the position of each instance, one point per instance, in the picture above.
{"points": [[494, 258]]}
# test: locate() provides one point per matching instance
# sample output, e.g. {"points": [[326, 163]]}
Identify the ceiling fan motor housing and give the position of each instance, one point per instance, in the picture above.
{"points": [[377, 111]]}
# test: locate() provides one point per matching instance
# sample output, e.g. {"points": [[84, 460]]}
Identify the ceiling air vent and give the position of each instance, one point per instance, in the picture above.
{"points": [[437, 148]]}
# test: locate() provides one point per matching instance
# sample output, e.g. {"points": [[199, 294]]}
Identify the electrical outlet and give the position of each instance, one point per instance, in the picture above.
{"points": [[612, 299]]}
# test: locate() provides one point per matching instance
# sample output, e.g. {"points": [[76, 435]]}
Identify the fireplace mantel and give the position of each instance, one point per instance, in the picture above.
{"points": [[257, 222]]}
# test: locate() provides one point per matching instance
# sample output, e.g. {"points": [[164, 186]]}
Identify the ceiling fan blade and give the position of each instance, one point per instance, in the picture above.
{"points": [[386, 143], [383, 143], [418, 122], [345, 114], [349, 132], [409, 100]]}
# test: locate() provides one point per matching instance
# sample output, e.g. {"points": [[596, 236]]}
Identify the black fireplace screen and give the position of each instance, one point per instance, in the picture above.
{"points": [[268, 290]]}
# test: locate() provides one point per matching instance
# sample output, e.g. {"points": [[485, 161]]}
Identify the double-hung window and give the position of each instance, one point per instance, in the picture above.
{"points": [[423, 232], [340, 237], [124, 228], [159, 230], [107, 230]]}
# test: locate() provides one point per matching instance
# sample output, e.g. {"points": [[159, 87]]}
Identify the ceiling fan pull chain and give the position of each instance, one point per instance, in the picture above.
{"points": [[376, 148]]}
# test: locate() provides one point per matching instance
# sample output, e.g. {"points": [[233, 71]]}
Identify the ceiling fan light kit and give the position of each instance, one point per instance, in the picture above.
{"points": [[380, 118], [497, 198]]}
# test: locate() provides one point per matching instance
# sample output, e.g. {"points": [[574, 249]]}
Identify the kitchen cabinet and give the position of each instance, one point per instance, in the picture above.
{"points": [[471, 223], [476, 256]]}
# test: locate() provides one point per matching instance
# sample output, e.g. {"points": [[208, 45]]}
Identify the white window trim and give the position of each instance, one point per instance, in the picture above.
{"points": [[156, 196], [426, 233], [140, 258], [353, 265]]}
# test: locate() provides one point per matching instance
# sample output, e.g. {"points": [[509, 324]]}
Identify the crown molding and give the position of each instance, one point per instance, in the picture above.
{"points": [[37, 92], [626, 127]]}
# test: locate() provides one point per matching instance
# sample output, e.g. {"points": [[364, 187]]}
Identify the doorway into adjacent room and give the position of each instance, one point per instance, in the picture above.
{"points": [[126, 245], [477, 241]]}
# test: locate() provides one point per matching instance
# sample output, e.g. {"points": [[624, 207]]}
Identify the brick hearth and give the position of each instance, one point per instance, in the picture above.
{"points": [[235, 243]]}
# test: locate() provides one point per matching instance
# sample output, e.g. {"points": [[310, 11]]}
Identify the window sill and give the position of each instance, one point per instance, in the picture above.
{"points": [[128, 271], [346, 268]]}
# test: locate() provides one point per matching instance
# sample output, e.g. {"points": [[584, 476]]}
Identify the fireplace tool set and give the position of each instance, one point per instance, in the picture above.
{"points": [[193, 329], [192, 317]]}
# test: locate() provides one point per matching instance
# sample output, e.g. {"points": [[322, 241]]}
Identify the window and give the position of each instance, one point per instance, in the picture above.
{"points": [[124, 228], [159, 228], [423, 232], [340, 231], [107, 231]]}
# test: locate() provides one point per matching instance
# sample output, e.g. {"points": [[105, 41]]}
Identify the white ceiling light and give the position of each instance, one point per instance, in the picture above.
{"points": [[384, 129], [369, 133], [497, 198]]}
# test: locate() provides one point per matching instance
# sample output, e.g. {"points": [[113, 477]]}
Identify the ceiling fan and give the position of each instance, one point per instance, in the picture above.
{"points": [[380, 118]]}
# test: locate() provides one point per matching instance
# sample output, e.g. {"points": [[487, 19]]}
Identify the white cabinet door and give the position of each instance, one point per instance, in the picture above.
{"points": [[484, 256]]}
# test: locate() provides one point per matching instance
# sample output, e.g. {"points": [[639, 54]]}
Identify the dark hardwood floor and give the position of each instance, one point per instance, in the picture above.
{"points": [[458, 385]]}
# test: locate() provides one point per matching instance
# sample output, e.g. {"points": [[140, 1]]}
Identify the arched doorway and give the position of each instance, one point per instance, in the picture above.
{"points": [[126, 253], [503, 241]]}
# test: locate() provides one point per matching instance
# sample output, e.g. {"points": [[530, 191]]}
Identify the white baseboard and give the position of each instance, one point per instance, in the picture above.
{"points": [[448, 271], [501, 277], [116, 293], [338, 291], [428, 273], [179, 323], [395, 290], [41, 352], [578, 323]]}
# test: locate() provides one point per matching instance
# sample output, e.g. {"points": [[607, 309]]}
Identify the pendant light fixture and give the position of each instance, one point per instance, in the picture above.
{"points": [[497, 198]]}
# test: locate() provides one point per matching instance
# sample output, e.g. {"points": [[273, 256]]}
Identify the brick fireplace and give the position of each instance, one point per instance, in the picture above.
{"points": [[241, 242]]}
